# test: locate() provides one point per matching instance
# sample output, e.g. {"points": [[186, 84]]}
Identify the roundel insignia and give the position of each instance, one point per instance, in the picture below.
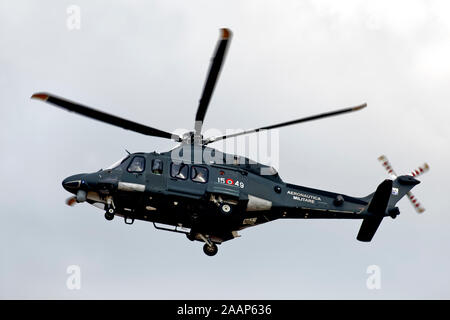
{"points": [[229, 181]]}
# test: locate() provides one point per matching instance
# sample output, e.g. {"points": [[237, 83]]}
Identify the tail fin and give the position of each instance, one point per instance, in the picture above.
{"points": [[382, 203], [375, 211]]}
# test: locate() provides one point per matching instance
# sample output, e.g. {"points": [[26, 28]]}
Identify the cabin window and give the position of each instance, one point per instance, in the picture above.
{"points": [[137, 165], [157, 166], [179, 170], [199, 174]]}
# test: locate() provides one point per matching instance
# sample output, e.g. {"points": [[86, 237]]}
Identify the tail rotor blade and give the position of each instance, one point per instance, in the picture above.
{"points": [[387, 165], [420, 170], [416, 204]]}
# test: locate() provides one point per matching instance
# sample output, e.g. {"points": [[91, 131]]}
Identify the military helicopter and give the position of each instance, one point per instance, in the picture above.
{"points": [[211, 200]]}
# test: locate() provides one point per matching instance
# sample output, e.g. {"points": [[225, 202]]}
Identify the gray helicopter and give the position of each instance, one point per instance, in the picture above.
{"points": [[211, 200]]}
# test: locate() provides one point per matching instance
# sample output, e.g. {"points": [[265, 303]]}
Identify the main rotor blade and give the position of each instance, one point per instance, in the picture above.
{"points": [[213, 73], [104, 117], [284, 124]]}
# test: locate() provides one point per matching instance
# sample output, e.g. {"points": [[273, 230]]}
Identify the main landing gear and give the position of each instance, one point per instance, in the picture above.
{"points": [[109, 214], [210, 249]]}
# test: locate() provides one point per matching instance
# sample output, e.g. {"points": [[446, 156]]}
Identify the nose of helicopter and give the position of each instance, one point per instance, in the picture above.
{"points": [[73, 183]]}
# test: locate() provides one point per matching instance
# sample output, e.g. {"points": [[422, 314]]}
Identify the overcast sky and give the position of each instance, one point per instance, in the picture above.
{"points": [[147, 61]]}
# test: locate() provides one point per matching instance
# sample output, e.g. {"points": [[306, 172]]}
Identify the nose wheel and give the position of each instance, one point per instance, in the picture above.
{"points": [[109, 214], [210, 249]]}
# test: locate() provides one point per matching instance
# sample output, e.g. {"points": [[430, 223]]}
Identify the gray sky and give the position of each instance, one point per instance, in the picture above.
{"points": [[147, 61]]}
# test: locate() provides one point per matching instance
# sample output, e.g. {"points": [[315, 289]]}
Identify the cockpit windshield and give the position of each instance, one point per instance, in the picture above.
{"points": [[117, 163]]}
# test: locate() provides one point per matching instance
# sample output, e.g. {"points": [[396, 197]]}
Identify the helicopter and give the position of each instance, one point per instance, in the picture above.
{"points": [[210, 200]]}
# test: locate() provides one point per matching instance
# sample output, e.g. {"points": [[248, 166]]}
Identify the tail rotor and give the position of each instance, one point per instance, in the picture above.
{"points": [[415, 173]]}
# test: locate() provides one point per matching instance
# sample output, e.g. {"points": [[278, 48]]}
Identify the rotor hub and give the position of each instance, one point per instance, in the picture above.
{"points": [[192, 138]]}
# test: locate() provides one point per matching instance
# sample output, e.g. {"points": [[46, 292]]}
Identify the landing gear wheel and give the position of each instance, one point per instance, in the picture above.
{"points": [[210, 250], [225, 208], [109, 214]]}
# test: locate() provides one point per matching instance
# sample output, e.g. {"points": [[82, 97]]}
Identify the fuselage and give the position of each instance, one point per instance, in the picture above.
{"points": [[175, 189]]}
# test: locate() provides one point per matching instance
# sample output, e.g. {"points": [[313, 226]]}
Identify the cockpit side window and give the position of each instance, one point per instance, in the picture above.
{"points": [[179, 170], [199, 174], [137, 165], [117, 163], [157, 166]]}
